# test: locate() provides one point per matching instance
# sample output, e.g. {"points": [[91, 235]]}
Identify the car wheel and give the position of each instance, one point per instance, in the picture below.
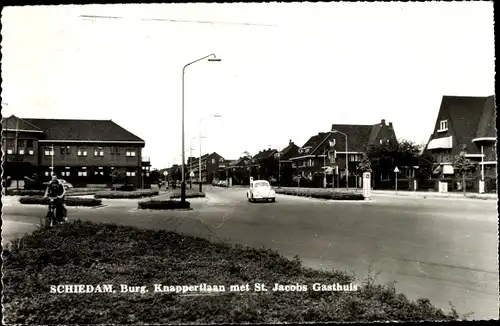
{"points": [[273, 200]]}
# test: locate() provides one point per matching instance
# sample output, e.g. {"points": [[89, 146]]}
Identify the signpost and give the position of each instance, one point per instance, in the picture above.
{"points": [[366, 184], [191, 175], [396, 171], [165, 173]]}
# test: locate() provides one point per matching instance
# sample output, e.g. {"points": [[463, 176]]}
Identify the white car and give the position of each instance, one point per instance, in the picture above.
{"points": [[260, 190]]}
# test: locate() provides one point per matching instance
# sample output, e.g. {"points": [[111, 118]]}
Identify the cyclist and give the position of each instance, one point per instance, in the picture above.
{"points": [[56, 190]]}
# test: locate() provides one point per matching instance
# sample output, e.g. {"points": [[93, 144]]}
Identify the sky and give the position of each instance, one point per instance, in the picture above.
{"points": [[295, 71]]}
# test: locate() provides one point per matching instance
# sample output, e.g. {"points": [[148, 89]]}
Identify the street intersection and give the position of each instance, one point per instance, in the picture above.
{"points": [[444, 249]]}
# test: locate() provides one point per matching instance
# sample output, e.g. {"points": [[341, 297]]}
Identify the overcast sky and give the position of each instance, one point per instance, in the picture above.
{"points": [[317, 64]]}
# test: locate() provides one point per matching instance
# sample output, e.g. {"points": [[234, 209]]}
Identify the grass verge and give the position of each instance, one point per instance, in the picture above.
{"points": [[126, 194], [163, 204], [190, 193], [319, 193], [96, 254], [69, 201]]}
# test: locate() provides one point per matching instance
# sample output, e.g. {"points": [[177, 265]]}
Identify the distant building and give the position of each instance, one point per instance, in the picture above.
{"points": [[80, 151]]}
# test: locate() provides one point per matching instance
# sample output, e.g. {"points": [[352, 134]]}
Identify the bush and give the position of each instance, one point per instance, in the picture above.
{"points": [[163, 204], [24, 192], [190, 193], [319, 193], [90, 253], [126, 194], [70, 201]]}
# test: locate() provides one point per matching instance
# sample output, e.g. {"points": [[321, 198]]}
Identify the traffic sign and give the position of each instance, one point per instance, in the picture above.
{"points": [[396, 170], [191, 174], [165, 173]]}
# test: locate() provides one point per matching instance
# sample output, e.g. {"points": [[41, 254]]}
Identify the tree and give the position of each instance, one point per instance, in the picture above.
{"points": [[118, 175], [365, 165], [385, 157], [463, 166], [155, 176], [426, 166]]}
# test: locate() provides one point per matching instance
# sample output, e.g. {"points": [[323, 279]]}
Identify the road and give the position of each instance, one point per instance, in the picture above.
{"points": [[444, 249]]}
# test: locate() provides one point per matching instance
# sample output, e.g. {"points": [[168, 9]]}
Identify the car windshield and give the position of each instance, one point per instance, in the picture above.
{"points": [[261, 184]]}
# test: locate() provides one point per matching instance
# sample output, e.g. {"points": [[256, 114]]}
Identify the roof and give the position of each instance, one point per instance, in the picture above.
{"points": [[16, 123], [291, 150], [359, 137], [89, 130], [469, 117], [264, 154]]}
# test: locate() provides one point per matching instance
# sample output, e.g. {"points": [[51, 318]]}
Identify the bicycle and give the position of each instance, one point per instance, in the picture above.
{"points": [[55, 215]]}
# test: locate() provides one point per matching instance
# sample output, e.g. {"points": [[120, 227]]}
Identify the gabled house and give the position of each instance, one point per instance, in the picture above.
{"points": [[285, 168], [265, 163], [209, 166], [465, 124], [240, 170], [324, 155]]}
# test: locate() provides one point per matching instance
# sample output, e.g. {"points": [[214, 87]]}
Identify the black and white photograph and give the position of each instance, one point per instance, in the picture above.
{"points": [[249, 163]]}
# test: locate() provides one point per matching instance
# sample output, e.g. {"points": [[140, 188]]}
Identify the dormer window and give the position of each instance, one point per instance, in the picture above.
{"points": [[443, 125]]}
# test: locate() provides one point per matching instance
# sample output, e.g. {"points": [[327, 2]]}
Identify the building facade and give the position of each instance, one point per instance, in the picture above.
{"points": [[83, 152], [209, 167], [466, 124], [322, 159]]}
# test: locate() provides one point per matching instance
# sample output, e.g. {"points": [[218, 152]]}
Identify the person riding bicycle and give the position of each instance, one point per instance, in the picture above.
{"points": [[56, 190]]}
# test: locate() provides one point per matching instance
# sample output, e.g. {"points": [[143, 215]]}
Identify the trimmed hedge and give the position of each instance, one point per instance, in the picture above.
{"points": [[69, 201], [24, 192], [320, 193], [91, 254], [190, 193], [163, 204], [126, 194]]}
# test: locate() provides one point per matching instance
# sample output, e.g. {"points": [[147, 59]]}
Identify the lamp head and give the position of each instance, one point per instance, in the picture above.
{"points": [[335, 131], [214, 59]]}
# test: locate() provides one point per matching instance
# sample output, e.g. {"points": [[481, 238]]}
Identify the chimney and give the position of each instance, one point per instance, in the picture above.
{"points": [[390, 125], [290, 142], [383, 122]]}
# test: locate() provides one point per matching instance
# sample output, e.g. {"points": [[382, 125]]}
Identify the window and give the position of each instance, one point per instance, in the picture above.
{"points": [[130, 174], [221, 159], [31, 152], [82, 151], [384, 141], [114, 150], [99, 151], [410, 173], [47, 173], [9, 151], [355, 158], [130, 152], [65, 150], [213, 161], [82, 173], [65, 173], [21, 152], [49, 151], [147, 174], [443, 125]]}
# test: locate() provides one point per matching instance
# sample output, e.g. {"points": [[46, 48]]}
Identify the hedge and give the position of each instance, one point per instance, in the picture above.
{"points": [[91, 254], [163, 204], [24, 192], [126, 194], [190, 193], [69, 201], [320, 193]]}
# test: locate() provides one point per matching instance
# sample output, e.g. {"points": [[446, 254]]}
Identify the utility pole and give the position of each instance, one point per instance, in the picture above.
{"points": [[17, 153]]}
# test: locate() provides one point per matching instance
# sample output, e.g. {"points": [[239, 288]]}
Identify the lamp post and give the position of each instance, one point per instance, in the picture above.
{"points": [[216, 115], [279, 163], [346, 159], [183, 182]]}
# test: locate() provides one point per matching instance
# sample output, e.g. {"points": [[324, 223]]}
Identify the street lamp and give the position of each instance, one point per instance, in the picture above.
{"points": [[346, 159], [279, 163], [183, 182], [216, 115]]}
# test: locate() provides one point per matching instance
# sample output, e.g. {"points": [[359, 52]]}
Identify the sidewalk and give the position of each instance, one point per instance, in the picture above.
{"points": [[434, 194]]}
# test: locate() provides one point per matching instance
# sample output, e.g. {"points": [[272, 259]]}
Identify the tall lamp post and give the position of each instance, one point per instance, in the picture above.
{"points": [[279, 163], [210, 57], [216, 115], [346, 159]]}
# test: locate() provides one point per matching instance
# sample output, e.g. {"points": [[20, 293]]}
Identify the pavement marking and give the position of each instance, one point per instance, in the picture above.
{"points": [[98, 207]]}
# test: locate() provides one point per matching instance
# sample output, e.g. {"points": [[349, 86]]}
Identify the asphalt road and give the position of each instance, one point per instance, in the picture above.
{"points": [[438, 248]]}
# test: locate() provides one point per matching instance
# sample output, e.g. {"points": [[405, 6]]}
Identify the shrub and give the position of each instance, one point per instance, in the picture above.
{"points": [[126, 194], [90, 253], [190, 193], [163, 204], [319, 193], [70, 201], [24, 192]]}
